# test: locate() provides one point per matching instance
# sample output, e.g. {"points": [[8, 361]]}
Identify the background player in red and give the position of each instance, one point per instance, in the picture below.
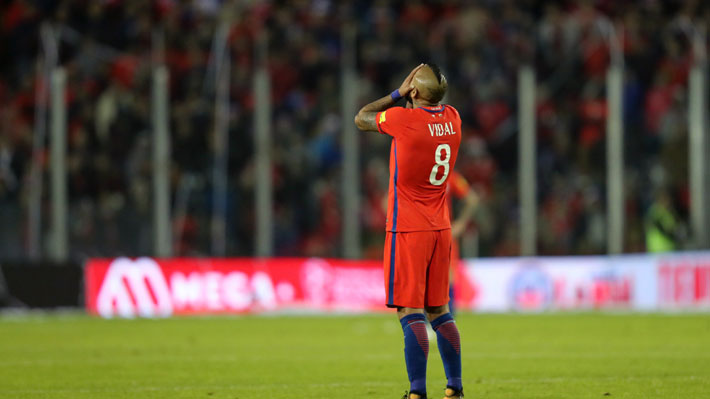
{"points": [[460, 190], [424, 148]]}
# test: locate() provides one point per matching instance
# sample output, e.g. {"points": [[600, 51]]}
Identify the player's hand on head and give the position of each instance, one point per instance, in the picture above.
{"points": [[407, 85]]}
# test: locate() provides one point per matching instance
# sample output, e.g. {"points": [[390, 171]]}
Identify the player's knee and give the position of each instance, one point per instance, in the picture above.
{"points": [[434, 311], [402, 311]]}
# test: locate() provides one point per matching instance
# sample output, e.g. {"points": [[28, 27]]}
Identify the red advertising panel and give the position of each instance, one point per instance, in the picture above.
{"points": [[684, 281], [149, 287]]}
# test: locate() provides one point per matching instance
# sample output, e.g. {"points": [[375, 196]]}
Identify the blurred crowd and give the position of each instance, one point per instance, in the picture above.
{"points": [[110, 47]]}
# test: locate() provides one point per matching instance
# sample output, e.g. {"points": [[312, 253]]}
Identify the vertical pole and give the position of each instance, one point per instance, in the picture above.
{"points": [[615, 159], [162, 244], [262, 132], [58, 167], [526, 161], [696, 158], [697, 153], [47, 63], [350, 146], [221, 143], [34, 215]]}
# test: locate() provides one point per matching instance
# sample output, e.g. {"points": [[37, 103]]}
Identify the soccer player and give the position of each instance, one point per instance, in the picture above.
{"points": [[425, 144], [460, 189]]}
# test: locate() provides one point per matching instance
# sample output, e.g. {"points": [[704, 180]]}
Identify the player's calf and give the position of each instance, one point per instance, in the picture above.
{"points": [[449, 342], [416, 351]]}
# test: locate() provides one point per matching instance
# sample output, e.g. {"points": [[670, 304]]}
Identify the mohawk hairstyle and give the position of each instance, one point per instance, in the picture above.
{"points": [[438, 93], [435, 68]]}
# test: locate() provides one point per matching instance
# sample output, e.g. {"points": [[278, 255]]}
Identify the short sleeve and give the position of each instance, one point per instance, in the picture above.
{"points": [[391, 121], [458, 185]]}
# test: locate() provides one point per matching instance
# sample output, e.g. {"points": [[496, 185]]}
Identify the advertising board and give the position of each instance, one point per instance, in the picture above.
{"points": [[154, 287], [147, 287]]}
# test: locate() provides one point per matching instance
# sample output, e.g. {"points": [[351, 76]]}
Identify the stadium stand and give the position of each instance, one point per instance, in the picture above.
{"points": [[106, 48]]}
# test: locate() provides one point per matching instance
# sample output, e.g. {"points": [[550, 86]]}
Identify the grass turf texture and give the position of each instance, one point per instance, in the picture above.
{"points": [[504, 356]]}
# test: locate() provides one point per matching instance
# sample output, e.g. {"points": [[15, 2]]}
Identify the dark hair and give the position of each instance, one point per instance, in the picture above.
{"points": [[435, 68]]}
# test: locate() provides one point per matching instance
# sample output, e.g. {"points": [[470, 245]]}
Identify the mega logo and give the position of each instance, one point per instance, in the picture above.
{"points": [[141, 287], [146, 287], [134, 288]]}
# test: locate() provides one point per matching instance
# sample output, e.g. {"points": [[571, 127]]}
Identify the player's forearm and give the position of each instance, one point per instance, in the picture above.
{"points": [[379, 105], [365, 118], [469, 208]]}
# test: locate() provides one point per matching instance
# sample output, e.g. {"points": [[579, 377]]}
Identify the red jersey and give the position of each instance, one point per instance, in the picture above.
{"points": [[423, 154]]}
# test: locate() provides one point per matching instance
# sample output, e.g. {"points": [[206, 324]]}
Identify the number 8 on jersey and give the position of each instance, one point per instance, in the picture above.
{"points": [[445, 148]]}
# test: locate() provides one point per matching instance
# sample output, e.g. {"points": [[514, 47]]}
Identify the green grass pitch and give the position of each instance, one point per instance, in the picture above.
{"points": [[587, 355]]}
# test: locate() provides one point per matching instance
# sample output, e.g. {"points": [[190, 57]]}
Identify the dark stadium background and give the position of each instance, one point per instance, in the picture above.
{"points": [[106, 50]]}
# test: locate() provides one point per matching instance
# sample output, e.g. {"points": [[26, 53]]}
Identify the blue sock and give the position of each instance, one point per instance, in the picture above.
{"points": [[416, 351], [449, 342], [452, 293]]}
